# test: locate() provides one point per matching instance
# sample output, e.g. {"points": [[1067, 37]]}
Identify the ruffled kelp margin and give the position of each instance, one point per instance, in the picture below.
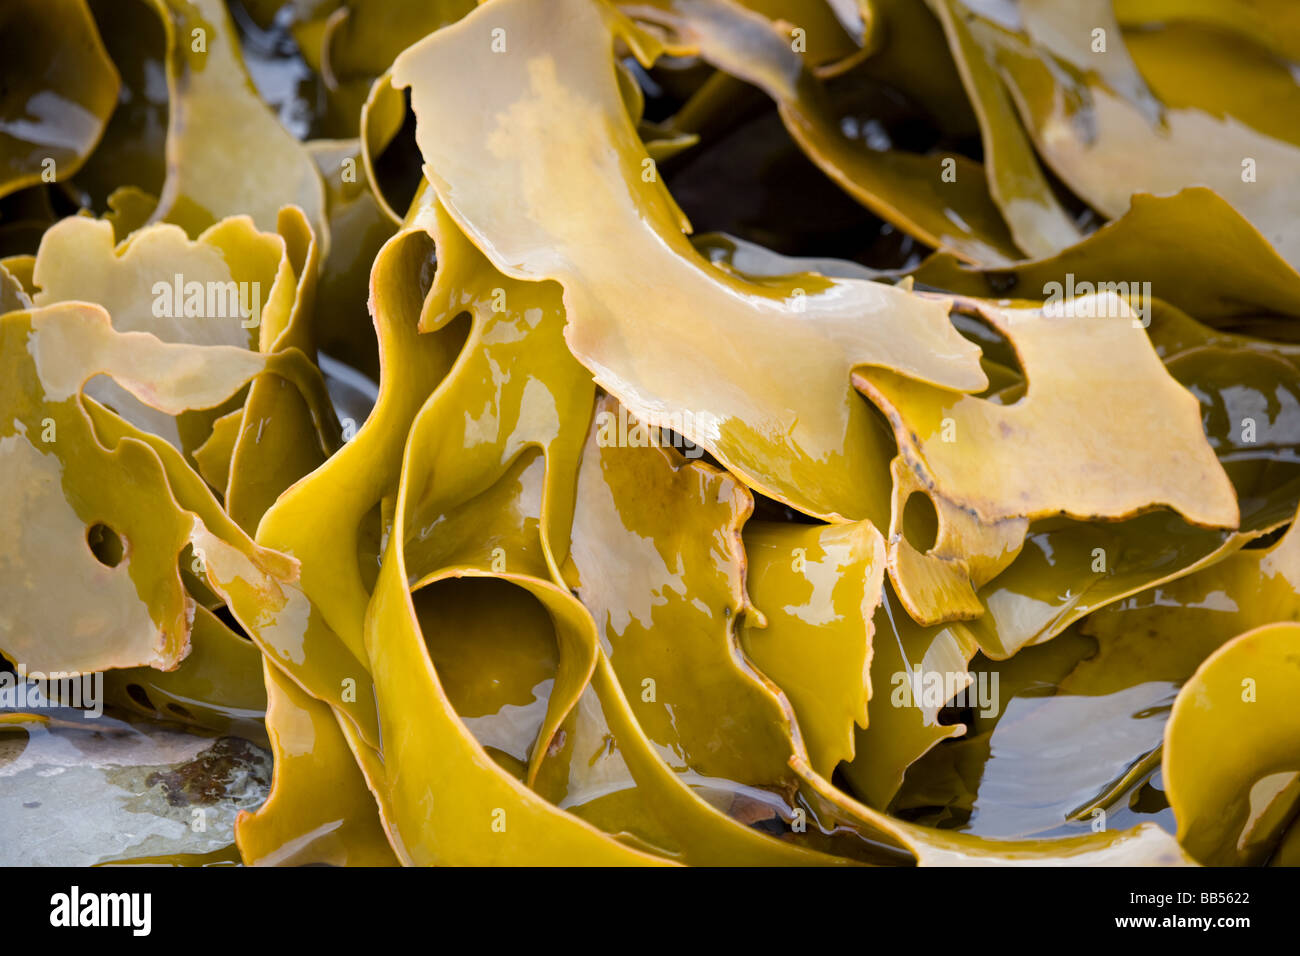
{"points": [[933, 508]]}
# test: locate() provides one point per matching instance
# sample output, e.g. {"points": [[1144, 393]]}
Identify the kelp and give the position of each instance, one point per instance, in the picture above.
{"points": [[212, 170], [979, 536], [955, 213], [358, 229], [319, 811], [821, 586], [132, 153], [1230, 270], [1270, 23], [79, 260], [528, 527], [804, 460], [1234, 810], [1106, 143], [1017, 182], [52, 353], [60, 87]]}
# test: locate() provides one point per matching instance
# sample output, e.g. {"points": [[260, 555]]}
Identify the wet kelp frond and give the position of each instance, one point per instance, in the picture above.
{"points": [[537, 527]]}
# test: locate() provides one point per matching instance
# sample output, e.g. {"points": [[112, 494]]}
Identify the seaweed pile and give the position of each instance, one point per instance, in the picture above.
{"points": [[778, 432]]}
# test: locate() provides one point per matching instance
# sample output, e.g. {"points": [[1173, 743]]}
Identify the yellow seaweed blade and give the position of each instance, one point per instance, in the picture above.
{"points": [[319, 810], [1240, 707], [657, 325]]}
